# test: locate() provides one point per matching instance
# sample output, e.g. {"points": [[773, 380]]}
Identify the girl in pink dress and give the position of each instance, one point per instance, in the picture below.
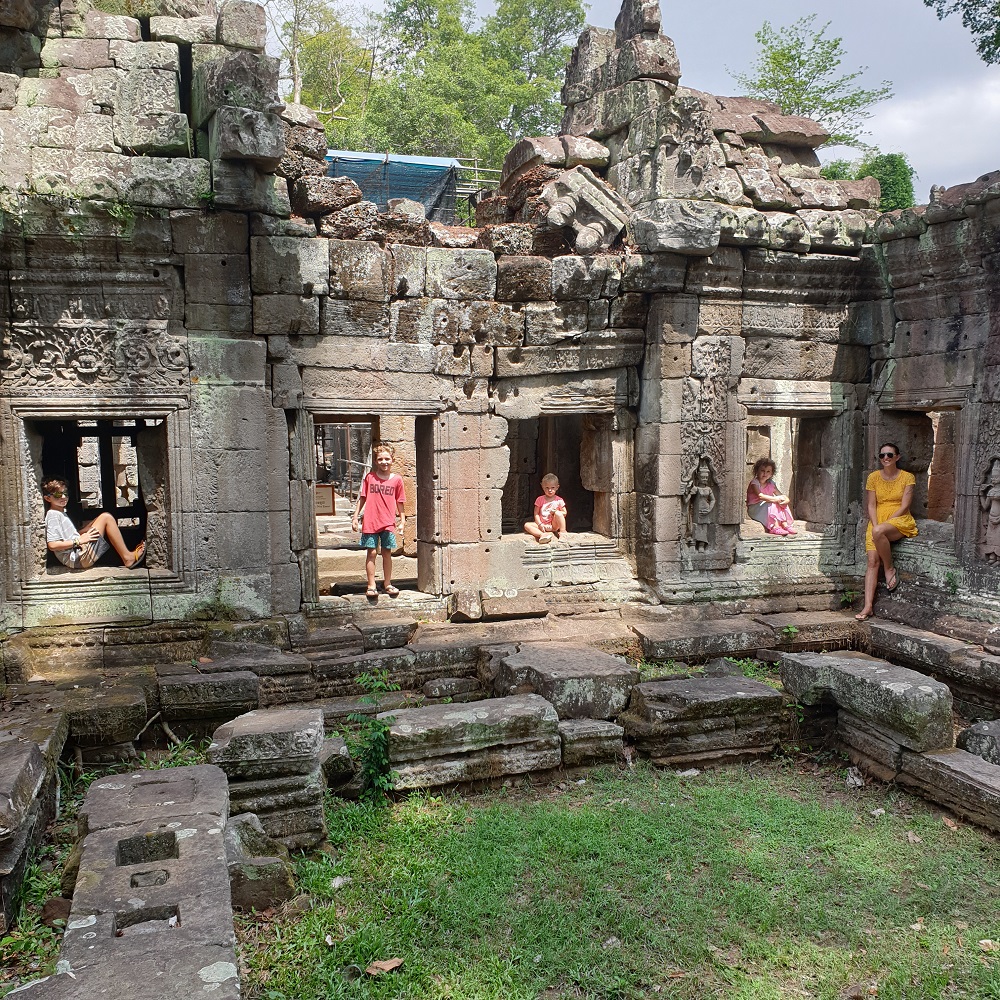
{"points": [[766, 503]]}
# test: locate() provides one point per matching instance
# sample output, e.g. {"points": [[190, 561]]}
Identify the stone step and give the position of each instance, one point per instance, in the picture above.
{"points": [[580, 682], [704, 720], [449, 744], [914, 709], [700, 640]]}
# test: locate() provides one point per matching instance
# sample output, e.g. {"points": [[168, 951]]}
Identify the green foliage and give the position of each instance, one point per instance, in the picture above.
{"points": [[439, 84], [981, 18], [755, 670], [892, 171], [753, 883], [369, 743], [951, 580], [789, 632], [797, 67], [839, 170]]}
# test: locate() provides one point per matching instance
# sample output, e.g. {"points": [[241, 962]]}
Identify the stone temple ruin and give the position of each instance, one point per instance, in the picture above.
{"points": [[650, 301]]}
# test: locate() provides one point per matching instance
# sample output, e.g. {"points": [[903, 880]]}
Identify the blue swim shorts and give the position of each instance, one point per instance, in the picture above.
{"points": [[385, 538]]}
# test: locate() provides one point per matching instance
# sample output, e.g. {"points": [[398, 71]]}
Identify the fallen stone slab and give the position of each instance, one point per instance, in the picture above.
{"points": [[926, 651], [104, 716], [704, 719], [446, 744], [591, 741], [962, 782], [914, 708], [269, 743], [260, 874], [196, 696], [124, 799], [338, 676], [701, 640], [387, 633], [455, 688], [873, 749], [290, 808], [983, 740], [151, 914], [22, 771], [579, 682], [833, 629]]}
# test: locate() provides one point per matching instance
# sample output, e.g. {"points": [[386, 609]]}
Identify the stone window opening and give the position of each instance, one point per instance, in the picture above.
{"points": [[804, 452], [928, 441], [113, 464], [576, 447]]}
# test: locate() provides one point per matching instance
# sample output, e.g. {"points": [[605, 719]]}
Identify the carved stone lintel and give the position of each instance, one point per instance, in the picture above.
{"points": [[579, 199]]}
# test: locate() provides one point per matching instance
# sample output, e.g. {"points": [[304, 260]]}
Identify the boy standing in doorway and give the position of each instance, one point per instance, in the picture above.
{"points": [[381, 498]]}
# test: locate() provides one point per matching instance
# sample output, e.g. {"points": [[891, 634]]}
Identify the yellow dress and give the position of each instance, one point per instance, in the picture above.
{"points": [[888, 497]]}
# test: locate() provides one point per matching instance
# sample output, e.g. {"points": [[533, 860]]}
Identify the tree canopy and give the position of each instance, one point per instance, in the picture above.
{"points": [[426, 77], [981, 17], [891, 170], [798, 68]]}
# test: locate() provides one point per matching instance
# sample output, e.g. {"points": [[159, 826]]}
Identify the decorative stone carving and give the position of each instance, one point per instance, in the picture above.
{"points": [[700, 499], [84, 348], [989, 501], [579, 199]]}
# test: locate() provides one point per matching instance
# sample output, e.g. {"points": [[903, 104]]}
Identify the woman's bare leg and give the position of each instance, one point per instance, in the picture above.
{"points": [[871, 584], [882, 535]]}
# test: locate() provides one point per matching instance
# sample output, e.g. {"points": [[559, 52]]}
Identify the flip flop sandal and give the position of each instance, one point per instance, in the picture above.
{"points": [[862, 618], [895, 582], [139, 555], [391, 591], [371, 592]]}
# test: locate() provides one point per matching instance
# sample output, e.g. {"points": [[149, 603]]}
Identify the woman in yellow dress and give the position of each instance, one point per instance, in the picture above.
{"points": [[888, 495]]}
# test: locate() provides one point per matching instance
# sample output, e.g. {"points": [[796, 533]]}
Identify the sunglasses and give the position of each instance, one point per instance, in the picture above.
{"points": [[886, 454], [57, 495]]}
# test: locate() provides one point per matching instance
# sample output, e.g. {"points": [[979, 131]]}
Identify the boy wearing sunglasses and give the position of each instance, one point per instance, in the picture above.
{"points": [[81, 549]]}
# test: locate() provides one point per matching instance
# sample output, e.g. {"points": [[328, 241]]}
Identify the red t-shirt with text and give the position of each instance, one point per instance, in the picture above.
{"points": [[381, 499]]}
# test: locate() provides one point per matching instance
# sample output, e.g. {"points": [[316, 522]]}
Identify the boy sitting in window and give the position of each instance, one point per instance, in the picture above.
{"points": [[81, 549]]}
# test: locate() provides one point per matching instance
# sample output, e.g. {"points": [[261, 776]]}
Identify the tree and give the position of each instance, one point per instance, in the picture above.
{"points": [[797, 67], [981, 17], [448, 87], [891, 170]]}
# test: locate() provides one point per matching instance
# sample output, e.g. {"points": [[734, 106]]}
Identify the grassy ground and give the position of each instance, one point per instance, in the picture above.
{"points": [[765, 881]]}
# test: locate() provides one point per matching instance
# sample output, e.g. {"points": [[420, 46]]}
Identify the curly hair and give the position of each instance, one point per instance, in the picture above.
{"points": [[761, 464]]}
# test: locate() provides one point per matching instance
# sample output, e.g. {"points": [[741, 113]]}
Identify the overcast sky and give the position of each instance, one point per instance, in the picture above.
{"points": [[945, 114]]}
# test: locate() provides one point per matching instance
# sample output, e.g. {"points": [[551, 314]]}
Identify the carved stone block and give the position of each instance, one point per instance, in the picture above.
{"points": [[244, 134]]}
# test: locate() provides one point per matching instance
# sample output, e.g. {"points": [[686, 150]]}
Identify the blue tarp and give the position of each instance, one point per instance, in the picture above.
{"points": [[430, 180]]}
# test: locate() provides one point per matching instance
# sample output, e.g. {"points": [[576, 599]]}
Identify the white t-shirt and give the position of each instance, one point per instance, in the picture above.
{"points": [[59, 528]]}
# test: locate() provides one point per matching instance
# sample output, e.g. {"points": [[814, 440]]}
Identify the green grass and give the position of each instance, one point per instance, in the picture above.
{"points": [[766, 882]]}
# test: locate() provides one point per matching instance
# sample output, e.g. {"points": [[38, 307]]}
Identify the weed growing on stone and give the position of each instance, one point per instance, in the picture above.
{"points": [[369, 743], [652, 670], [758, 882], [757, 670], [789, 632]]}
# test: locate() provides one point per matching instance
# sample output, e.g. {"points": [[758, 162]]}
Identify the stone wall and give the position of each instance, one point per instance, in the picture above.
{"points": [[640, 297]]}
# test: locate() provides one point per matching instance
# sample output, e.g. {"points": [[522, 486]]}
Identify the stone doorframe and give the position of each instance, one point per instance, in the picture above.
{"points": [[29, 598], [302, 469]]}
